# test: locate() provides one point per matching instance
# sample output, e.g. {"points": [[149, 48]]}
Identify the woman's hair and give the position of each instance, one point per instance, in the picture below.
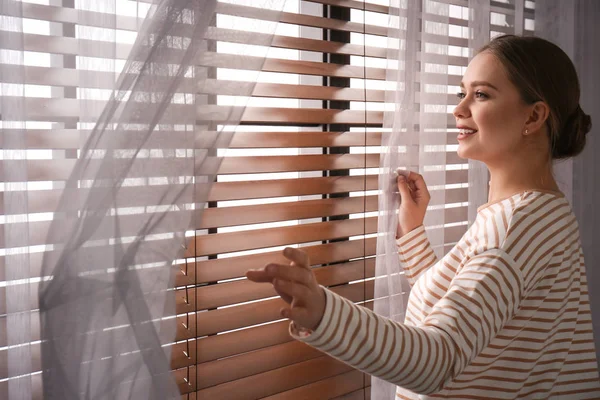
{"points": [[541, 71]]}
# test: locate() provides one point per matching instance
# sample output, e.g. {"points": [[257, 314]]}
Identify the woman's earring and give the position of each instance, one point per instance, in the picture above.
{"points": [[527, 131]]}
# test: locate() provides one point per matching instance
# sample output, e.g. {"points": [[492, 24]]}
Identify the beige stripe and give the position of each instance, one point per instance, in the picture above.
{"points": [[546, 310], [568, 270], [430, 367], [543, 241], [464, 396], [522, 206], [400, 331], [531, 349], [487, 326], [490, 295], [392, 348], [537, 330], [410, 376], [501, 292], [335, 306], [349, 319], [357, 328], [457, 329], [422, 261], [414, 275], [526, 196], [439, 286], [536, 391], [410, 249], [450, 267], [530, 225], [496, 231], [516, 291], [461, 252], [486, 240], [411, 256], [594, 389], [512, 203], [579, 371], [541, 258], [504, 219], [333, 336], [582, 361], [414, 307], [456, 325], [371, 343], [439, 363], [496, 378], [492, 367], [446, 277], [359, 347]]}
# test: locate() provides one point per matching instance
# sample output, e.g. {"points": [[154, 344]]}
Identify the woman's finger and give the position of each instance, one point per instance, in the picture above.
{"points": [[284, 296], [299, 292], [297, 314], [258, 275], [289, 273], [404, 189], [417, 180], [297, 256]]}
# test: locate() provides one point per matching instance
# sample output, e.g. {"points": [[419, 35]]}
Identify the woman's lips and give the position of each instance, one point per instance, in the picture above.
{"points": [[466, 133]]}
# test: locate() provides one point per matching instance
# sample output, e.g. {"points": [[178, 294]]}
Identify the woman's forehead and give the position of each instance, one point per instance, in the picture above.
{"points": [[487, 68]]}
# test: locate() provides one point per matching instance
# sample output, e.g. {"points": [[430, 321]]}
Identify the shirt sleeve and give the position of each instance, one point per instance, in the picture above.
{"points": [[416, 254], [424, 359]]}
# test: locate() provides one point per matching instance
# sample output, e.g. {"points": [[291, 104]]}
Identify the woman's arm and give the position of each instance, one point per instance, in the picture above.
{"points": [[416, 254], [414, 249], [483, 297]]}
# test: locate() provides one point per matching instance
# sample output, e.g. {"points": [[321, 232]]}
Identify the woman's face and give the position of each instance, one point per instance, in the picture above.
{"points": [[490, 115]]}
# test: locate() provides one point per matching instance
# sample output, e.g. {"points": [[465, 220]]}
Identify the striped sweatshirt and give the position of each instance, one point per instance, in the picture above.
{"points": [[504, 315]]}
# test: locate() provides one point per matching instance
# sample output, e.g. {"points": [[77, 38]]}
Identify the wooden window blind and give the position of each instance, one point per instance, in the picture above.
{"points": [[312, 185], [301, 171]]}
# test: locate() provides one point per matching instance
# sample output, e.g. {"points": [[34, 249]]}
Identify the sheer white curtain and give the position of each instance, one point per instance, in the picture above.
{"points": [[109, 151], [415, 139], [430, 45]]}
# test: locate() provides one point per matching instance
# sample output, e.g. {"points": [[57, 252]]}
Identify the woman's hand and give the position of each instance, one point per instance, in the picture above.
{"points": [[297, 286], [414, 198]]}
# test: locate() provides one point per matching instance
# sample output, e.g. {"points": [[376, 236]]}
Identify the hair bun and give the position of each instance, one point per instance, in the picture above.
{"points": [[571, 141], [585, 121]]}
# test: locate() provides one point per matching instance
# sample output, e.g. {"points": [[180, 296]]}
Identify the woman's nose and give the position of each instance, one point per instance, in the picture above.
{"points": [[461, 110]]}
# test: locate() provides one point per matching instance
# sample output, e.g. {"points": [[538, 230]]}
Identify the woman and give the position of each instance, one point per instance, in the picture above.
{"points": [[505, 314]]}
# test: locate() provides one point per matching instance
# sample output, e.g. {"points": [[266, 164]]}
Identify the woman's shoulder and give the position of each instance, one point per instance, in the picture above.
{"points": [[536, 206], [537, 219], [524, 215]]}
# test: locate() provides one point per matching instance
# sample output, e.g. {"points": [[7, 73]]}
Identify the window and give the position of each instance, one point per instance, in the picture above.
{"points": [[301, 170]]}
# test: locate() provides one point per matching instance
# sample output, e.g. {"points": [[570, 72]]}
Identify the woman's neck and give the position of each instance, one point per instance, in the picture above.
{"points": [[513, 177]]}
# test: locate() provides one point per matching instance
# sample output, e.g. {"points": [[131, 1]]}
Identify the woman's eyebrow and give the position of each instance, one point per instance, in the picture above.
{"points": [[480, 83]]}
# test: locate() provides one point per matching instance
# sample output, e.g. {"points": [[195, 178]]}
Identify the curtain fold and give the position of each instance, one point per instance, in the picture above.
{"points": [[16, 335], [414, 139], [133, 191]]}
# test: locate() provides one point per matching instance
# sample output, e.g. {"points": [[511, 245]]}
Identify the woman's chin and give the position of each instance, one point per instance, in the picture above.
{"points": [[462, 152], [466, 153]]}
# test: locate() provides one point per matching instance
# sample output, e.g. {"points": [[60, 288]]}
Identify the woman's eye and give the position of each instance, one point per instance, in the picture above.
{"points": [[481, 95], [460, 95]]}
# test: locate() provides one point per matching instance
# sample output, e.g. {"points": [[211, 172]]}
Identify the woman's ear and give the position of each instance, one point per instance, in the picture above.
{"points": [[537, 118]]}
